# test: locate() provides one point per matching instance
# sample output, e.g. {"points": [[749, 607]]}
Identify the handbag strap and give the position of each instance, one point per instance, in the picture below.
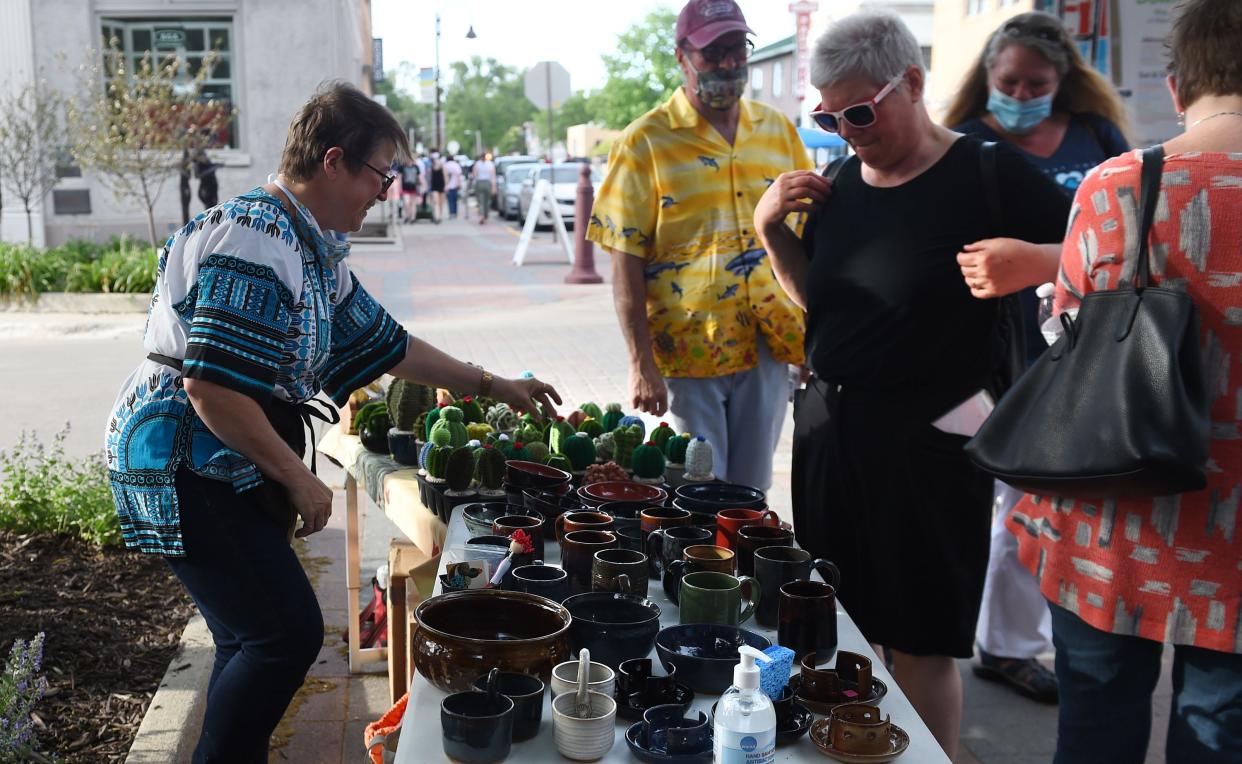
{"points": [[1153, 168], [991, 185]]}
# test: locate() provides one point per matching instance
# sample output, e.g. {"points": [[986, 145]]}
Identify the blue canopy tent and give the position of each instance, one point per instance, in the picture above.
{"points": [[822, 145]]}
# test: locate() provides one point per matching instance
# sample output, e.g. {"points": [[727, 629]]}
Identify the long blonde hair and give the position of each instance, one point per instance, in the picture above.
{"points": [[1082, 89]]}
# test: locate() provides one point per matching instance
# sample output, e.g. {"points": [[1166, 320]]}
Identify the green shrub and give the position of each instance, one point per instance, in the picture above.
{"points": [[119, 265], [42, 490]]}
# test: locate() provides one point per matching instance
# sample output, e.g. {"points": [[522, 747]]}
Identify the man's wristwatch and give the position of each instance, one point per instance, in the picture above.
{"points": [[485, 384]]}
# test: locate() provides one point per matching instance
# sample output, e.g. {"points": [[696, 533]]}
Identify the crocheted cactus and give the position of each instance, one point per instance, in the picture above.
{"points": [[605, 447], [558, 431], [626, 440], [460, 469], [505, 444], [489, 470], [422, 454], [661, 435], [478, 431], [591, 427], [591, 409], [580, 450], [451, 420], [560, 461], [518, 452], [432, 416], [630, 421], [612, 417], [406, 401], [437, 463], [675, 448], [502, 418], [648, 463], [537, 451], [528, 433], [699, 461], [470, 409]]}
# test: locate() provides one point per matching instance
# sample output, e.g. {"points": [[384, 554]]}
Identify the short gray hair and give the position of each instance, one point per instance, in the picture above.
{"points": [[872, 43]]}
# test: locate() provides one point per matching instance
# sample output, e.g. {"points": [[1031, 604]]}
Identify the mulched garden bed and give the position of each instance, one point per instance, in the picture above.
{"points": [[113, 620]]}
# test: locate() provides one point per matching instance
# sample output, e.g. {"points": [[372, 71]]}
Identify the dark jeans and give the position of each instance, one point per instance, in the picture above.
{"points": [[259, 605], [1106, 682], [452, 201]]}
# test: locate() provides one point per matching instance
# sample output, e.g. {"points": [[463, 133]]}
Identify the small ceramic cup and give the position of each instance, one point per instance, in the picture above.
{"points": [[647, 682], [663, 517], [545, 580], [477, 727], [667, 728], [582, 520], [525, 691], [729, 521], [584, 739], [565, 678], [859, 729], [619, 570]]}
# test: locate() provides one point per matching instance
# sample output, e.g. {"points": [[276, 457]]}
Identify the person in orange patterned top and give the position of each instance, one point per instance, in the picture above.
{"points": [[1125, 576]]}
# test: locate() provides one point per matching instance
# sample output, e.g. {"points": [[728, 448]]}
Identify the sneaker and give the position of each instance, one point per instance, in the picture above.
{"points": [[1029, 677]]}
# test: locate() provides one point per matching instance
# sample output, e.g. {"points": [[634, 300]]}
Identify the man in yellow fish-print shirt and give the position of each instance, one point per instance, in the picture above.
{"points": [[709, 331]]}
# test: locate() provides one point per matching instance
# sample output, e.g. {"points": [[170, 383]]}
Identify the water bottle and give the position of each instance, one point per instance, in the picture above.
{"points": [[1049, 326]]}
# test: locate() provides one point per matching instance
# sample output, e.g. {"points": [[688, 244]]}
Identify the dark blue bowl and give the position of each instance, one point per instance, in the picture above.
{"points": [[713, 497], [614, 627], [704, 654], [478, 517]]}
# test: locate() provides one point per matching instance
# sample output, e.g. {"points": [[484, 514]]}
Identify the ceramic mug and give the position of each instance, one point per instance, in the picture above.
{"points": [[613, 566], [696, 558], [776, 566], [640, 678], [730, 521], [667, 728], [666, 545], [631, 538], [858, 729], [582, 520], [600, 678], [711, 597], [545, 580], [807, 615], [752, 537], [477, 727], [505, 525], [584, 739], [656, 518], [525, 691], [578, 550]]}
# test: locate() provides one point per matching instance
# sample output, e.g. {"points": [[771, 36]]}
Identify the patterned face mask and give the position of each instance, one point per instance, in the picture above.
{"points": [[720, 88]]}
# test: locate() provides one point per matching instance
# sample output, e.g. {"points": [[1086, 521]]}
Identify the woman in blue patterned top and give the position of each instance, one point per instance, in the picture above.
{"points": [[254, 313]]}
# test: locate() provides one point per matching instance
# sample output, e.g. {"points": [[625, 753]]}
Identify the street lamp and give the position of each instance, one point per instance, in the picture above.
{"points": [[436, 127]]}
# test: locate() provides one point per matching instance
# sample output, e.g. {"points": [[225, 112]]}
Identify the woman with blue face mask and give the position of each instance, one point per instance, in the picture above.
{"points": [[1030, 88]]}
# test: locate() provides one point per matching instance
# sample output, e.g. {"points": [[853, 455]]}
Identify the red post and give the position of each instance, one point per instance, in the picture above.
{"points": [[583, 271]]}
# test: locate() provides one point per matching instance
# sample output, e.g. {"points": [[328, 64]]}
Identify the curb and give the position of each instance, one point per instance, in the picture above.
{"points": [[78, 302], [174, 718]]}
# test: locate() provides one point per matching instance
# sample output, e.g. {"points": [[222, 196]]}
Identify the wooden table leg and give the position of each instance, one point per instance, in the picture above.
{"points": [[398, 673], [353, 562]]}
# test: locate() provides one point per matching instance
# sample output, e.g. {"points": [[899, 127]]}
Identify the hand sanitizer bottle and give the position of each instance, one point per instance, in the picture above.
{"points": [[745, 730]]}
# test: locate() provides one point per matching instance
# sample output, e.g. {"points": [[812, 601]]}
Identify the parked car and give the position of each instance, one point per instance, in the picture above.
{"points": [[564, 177], [511, 189], [502, 164]]}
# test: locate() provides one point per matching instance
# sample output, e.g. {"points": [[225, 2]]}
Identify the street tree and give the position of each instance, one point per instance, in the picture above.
{"points": [[414, 116], [31, 140], [132, 130], [642, 73], [486, 96], [579, 108]]}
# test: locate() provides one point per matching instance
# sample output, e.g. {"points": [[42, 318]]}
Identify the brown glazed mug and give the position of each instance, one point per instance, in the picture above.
{"points": [[582, 520], [696, 558], [505, 525], [578, 550], [750, 538], [807, 618], [619, 570], [730, 521], [663, 517]]}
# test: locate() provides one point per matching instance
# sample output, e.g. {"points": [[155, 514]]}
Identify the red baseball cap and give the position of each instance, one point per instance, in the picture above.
{"points": [[702, 21]]}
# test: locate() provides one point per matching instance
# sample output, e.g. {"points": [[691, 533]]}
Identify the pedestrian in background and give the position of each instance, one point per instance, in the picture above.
{"points": [[1124, 576], [1030, 88], [411, 171], [452, 184], [896, 340], [710, 334], [484, 174], [437, 186]]}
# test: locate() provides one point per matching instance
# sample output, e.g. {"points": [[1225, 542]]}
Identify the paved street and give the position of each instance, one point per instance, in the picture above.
{"points": [[454, 286]]}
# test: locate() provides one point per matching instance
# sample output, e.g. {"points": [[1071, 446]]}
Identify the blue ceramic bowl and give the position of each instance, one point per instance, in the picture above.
{"points": [[705, 654], [713, 497], [614, 627], [479, 517]]}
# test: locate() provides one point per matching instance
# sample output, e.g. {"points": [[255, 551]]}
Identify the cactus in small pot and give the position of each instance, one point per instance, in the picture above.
{"points": [[634, 421], [478, 431], [605, 447], [519, 452], [675, 454], [505, 445], [528, 433], [438, 456], [580, 450], [451, 420], [429, 421], [661, 435], [490, 471], [558, 431], [502, 418], [699, 461], [459, 471], [471, 411], [591, 409], [560, 461], [422, 456], [612, 417], [591, 427], [406, 401], [537, 451], [648, 462], [626, 440]]}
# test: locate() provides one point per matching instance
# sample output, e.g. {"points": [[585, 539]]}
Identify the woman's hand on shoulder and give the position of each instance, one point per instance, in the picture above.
{"points": [[523, 394], [794, 191]]}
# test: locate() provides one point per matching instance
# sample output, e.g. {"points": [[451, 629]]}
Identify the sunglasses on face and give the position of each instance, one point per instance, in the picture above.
{"points": [[714, 54], [1038, 31], [388, 179], [859, 115]]}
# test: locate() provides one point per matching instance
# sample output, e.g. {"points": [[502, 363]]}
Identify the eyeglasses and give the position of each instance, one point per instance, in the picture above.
{"points": [[859, 115], [714, 54], [388, 179]]}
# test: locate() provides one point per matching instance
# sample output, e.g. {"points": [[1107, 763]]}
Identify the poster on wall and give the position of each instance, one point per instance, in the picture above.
{"points": [[1140, 28]]}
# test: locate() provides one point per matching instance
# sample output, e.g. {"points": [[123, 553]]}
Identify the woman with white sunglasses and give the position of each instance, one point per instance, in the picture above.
{"points": [[896, 341]]}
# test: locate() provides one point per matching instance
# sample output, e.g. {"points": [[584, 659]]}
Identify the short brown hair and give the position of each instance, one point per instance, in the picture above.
{"points": [[1203, 46], [338, 114]]}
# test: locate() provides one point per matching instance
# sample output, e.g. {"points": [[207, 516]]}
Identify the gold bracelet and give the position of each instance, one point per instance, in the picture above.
{"points": [[485, 384]]}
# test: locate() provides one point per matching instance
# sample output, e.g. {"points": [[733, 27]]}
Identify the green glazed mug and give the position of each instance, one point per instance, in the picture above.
{"points": [[709, 597]]}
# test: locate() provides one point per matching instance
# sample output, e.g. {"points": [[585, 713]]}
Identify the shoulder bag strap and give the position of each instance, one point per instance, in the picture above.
{"points": [[1153, 169], [991, 186], [833, 168]]}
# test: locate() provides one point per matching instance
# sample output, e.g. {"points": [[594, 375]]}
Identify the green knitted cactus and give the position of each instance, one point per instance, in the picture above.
{"points": [[528, 433], [631, 421], [612, 417], [519, 452], [580, 450], [626, 440], [675, 449], [437, 463], [591, 409], [558, 431], [451, 420], [560, 461], [662, 435], [406, 401], [502, 418], [648, 462], [460, 469], [490, 470], [537, 451], [505, 444], [478, 431], [433, 416], [591, 427], [471, 411]]}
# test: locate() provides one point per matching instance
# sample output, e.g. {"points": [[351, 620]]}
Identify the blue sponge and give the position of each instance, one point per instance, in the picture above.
{"points": [[775, 675]]}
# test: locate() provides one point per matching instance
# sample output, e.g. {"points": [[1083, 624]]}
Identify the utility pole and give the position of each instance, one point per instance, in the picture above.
{"points": [[436, 128]]}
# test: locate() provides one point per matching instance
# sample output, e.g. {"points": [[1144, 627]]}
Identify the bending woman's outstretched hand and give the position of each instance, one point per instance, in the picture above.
{"points": [[524, 394]]}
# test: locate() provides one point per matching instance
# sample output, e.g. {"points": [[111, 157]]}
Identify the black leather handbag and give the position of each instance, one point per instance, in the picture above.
{"points": [[1118, 406]]}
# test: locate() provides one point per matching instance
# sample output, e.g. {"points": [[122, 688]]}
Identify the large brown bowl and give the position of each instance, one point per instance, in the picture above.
{"points": [[463, 635]]}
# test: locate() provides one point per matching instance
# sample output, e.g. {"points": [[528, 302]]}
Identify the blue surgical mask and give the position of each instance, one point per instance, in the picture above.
{"points": [[1019, 116]]}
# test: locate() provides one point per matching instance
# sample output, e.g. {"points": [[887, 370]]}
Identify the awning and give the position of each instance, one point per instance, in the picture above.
{"points": [[814, 138]]}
